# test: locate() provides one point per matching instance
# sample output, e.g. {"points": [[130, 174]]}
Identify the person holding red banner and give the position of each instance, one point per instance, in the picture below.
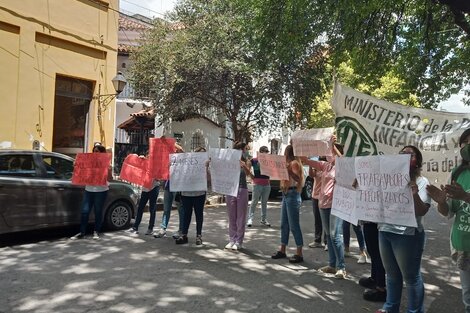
{"points": [[168, 198], [149, 195], [94, 197], [237, 206]]}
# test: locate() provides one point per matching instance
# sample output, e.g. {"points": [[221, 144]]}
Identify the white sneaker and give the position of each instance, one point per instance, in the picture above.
{"points": [[236, 247], [78, 236], [96, 235], [326, 247], [149, 232], [229, 245], [265, 223], [132, 231], [249, 223], [362, 259], [176, 235], [161, 233], [341, 274]]}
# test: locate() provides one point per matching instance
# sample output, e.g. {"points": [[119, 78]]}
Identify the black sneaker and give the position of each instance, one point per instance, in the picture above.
{"points": [[375, 295], [198, 240], [367, 282], [182, 240]]}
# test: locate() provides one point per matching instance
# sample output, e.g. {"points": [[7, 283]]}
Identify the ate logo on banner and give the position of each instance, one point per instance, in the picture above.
{"points": [[354, 137]]}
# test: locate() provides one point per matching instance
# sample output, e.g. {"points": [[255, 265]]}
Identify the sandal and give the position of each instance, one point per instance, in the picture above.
{"points": [[278, 255], [296, 259]]}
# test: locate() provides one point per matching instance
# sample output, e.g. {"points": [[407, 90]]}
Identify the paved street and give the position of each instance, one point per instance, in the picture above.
{"points": [[46, 272]]}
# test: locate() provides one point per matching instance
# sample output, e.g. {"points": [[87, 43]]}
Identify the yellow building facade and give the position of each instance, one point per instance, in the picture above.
{"points": [[57, 60]]}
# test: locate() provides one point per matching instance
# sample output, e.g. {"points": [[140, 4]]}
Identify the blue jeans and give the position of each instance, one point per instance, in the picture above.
{"points": [[259, 191], [290, 217], [188, 203], [95, 200], [465, 281], [347, 235], [168, 198], [333, 228], [150, 196], [401, 257]]}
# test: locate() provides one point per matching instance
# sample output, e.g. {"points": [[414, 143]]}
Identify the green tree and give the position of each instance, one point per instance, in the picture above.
{"points": [[423, 44], [204, 64]]}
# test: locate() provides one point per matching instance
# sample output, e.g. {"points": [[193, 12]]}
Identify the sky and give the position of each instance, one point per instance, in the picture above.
{"points": [[149, 8], [156, 8]]}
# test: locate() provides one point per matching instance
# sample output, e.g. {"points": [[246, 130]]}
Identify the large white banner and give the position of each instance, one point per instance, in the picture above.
{"points": [[274, 166], [369, 126], [225, 170], [382, 194], [312, 142], [188, 171]]}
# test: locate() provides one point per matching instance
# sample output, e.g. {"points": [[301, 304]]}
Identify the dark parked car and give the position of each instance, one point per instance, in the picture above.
{"points": [[36, 191], [306, 190]]}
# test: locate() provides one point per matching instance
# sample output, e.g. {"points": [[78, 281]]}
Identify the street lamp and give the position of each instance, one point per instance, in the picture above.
{"points": [[119, 83]]}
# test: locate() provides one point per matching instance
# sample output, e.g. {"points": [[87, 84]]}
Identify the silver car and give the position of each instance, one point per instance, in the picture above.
{"points": [[36, 191]]}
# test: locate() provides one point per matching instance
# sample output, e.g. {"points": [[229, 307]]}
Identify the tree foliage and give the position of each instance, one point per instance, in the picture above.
{"points": [[207, 65], [424, 44]]}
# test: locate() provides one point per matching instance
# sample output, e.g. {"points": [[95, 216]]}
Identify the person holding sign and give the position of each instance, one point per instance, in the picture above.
{"points": [[401, 247], [149, 195], [94, 197], [290, 208], [453, 200], [332, 225], [190, 200], [318, 228], [261, 189], [168, 198], [237, 206]]}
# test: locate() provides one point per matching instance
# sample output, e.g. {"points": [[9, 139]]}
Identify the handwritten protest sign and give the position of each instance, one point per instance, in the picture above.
{"points": [[188, 171], [225, 170], [383, 194], [159, 156], [91, 169], [312, 142], [273, 166], [344, 194], [136, 170]]}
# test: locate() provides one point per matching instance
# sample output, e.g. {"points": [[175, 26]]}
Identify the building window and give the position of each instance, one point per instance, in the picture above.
{"points": [[197, 141]]}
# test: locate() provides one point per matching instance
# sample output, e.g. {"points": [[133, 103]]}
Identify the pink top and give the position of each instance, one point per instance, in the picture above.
{"points": [[325, 199], [316, 191]]}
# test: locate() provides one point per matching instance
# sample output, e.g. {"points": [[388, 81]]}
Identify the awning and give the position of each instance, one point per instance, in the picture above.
{"points": [[144, 119]]}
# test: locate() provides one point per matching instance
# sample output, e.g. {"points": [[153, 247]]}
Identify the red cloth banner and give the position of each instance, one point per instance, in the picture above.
{"points": [[159, 157], [136, 170], [91, 169]]}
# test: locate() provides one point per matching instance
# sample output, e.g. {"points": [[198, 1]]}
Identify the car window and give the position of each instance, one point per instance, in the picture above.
{"points": [[57, 167], [17, 165]]}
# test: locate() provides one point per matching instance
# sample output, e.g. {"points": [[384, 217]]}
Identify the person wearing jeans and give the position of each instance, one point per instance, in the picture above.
{"points": [[190, 200], [168, 198], [150, 196], [401, 247], [95, 197], [261, 189], [360, 239], [291, 202], [332, 225]]}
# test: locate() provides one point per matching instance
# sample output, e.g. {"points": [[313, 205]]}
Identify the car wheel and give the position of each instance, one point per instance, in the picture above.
{"points": [[307, 190], [118, 216]]}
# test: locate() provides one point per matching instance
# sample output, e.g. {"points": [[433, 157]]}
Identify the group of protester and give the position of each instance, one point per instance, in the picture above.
{"points": [[395, 251]]}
